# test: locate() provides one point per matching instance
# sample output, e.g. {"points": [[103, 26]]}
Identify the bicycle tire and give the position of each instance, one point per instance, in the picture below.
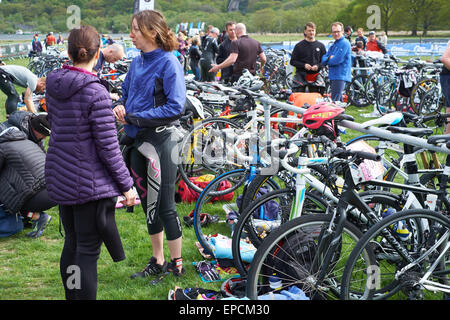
{"points": [[386, 94], [430, 103], [204, 204], [247, 222], [357, 91], [372, 241], [301, 272], [189, 166], [417, 93]]}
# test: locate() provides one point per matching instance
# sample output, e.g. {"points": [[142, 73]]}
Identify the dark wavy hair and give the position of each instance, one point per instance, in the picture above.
{"points": [[83, 44]]}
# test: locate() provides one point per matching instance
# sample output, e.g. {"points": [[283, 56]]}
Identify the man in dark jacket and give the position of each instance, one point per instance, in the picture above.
{"points": [[224, 50], [36, 44], [306, 58], [22, 179]]}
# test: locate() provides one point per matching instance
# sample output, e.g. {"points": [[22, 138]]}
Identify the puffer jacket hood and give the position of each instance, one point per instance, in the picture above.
{"points": [[64, 83], [11, 134], [22, 164]]}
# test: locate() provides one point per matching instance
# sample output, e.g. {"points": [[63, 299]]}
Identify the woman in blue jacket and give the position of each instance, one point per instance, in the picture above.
{"points": [[339, 62], [154, 94]]}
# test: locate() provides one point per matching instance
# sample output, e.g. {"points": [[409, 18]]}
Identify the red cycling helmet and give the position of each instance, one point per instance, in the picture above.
{"points": [[317, 114]]}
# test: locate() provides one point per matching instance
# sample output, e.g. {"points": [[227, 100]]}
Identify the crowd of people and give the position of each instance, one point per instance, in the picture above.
{"points": [[222, 56], [83, 171], [49, 41], [230, 52]]}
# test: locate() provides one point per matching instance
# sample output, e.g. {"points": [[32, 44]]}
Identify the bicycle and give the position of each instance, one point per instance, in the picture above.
{"points": [[326, 274], [405, 266]]}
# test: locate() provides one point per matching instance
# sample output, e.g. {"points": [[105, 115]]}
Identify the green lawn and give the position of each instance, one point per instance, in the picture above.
{"points": [[29, 269]]}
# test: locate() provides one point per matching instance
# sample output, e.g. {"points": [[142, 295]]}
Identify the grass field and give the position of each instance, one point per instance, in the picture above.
{"points": [[29, 269]]}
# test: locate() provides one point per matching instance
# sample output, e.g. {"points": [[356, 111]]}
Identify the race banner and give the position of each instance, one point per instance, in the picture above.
{"points": [[140, 5]]}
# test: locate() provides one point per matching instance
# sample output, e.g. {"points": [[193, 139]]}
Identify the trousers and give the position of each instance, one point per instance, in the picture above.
{"points": [[86, 227]]}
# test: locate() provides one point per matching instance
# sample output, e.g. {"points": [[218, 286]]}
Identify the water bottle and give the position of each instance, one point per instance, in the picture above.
{"points": [[275, 282], [431, 201]]}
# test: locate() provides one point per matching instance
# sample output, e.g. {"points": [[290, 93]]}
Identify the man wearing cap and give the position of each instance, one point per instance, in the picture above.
{"points": [[11, 75], [374, 45], [36, 127]]}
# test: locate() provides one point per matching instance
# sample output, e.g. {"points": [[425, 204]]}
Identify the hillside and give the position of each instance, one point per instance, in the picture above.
{"points": [[260, 15]]}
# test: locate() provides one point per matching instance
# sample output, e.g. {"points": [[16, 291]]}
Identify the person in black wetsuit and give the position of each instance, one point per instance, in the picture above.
{"points": [[306, 57], [209, 52], [224, 51]]}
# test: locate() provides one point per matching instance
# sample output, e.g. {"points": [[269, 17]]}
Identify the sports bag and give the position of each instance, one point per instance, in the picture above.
{"points": [[188, 195], [9, 224]]}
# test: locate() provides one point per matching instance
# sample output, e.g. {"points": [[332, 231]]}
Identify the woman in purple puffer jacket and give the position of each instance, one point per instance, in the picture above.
{"points": [[84, 170]]}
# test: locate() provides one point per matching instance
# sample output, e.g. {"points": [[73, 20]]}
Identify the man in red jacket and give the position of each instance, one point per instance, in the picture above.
{"points": [[374, 45]]}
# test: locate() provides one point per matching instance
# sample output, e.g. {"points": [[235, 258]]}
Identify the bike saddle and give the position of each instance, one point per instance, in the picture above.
{"points": [[415, 132], [439, 139]]}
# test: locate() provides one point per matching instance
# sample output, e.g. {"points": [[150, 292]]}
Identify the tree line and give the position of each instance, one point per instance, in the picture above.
{"points": [[275, 16]]}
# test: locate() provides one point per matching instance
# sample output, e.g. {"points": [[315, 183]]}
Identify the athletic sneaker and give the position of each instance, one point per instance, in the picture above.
{"points": [[173, 265], [39, 225], [151, 269], [207, 271]]}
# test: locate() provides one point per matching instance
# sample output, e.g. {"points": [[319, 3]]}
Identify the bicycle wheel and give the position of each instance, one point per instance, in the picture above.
{"points": [[401, 263], [291, 253], [358, 91], [204, 150], [386, 93], [264, 216], [215, 211], [418, 92], [430, 102], [378, 201]]}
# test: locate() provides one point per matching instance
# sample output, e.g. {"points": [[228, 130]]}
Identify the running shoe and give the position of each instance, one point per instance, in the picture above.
{"points": [[151, 269], [39, 225], [173, 266]]}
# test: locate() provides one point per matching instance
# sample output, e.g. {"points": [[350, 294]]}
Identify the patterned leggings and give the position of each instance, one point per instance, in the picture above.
{"points": [[154, 173]]}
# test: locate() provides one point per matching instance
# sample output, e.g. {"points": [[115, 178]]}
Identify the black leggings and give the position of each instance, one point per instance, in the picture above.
{"points": [[86, 226], [38, 203], [12, 96], [154, 173]]}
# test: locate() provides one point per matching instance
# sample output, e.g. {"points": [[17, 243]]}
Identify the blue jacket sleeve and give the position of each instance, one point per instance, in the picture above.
{"points": [[325, 58], [175, 92], [340, 54]]}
